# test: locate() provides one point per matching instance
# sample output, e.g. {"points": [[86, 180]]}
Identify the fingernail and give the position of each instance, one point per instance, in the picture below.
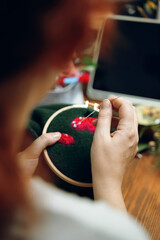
{"points": [[114, 96], [56, 135], [105, 104]]}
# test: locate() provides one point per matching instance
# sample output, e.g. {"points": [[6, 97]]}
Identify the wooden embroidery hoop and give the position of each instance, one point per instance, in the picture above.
{"points": [[46, 156]]}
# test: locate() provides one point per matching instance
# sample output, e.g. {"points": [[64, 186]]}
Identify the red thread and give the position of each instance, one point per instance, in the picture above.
{"points": [[83, 124], [66, 139]]}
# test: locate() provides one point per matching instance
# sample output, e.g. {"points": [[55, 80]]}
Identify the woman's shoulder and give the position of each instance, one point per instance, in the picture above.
{"points": [[68, 216]]}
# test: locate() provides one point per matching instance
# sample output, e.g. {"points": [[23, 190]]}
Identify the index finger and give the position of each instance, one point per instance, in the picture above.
{"points": [[125, 110]]}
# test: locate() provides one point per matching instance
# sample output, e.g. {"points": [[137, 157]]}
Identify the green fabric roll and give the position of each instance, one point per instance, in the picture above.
{"points": [[39, 117]]}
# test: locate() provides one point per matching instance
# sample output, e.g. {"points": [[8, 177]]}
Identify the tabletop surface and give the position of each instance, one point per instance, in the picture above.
{"points": [[141, 191]]}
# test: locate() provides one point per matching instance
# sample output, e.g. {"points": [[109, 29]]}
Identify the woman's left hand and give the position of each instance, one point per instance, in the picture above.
{"points": [[28, 159]]}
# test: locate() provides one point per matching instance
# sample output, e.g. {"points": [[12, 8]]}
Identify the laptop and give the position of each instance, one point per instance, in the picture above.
{"points": [[127, 53]]}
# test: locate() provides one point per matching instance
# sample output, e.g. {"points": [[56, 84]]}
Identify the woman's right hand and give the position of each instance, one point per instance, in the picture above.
{"points": [[112, 153]]}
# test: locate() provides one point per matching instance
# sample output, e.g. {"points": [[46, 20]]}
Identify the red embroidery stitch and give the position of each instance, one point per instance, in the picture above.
{"points": [[66, 139], [83, 124]]}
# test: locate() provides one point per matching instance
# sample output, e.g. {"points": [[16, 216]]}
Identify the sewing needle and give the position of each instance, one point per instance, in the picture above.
{"points": [[94, 112], [87, 116]]}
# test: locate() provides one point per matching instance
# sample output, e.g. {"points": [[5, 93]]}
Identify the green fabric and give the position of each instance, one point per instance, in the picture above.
{"points": [[72, 160], [39, 117]]}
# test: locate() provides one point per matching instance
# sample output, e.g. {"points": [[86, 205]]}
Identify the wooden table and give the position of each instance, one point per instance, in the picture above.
{"points": [[141, 191]]}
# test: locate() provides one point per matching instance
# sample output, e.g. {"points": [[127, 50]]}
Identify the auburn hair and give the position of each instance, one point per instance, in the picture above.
{"points": [[30, 28]]}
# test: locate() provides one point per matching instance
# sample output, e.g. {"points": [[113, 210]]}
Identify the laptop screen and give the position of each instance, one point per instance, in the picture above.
{"points": [[130, 64]]}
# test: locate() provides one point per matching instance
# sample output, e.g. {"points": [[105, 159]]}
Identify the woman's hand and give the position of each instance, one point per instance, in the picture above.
{"points": [[28, 159], [111, 153]]}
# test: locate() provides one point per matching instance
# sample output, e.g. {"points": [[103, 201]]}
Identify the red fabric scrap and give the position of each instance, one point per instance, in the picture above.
{"points": [[83, 124], [66, 139]]}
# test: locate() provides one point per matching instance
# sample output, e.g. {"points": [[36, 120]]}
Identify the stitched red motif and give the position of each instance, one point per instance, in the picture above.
{"points": [[66, 139], [83, 124]]}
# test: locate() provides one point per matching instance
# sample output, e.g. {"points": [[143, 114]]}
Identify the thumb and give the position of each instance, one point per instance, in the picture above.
{"points": [[28, 159], [105, 117], [36, 148]]}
